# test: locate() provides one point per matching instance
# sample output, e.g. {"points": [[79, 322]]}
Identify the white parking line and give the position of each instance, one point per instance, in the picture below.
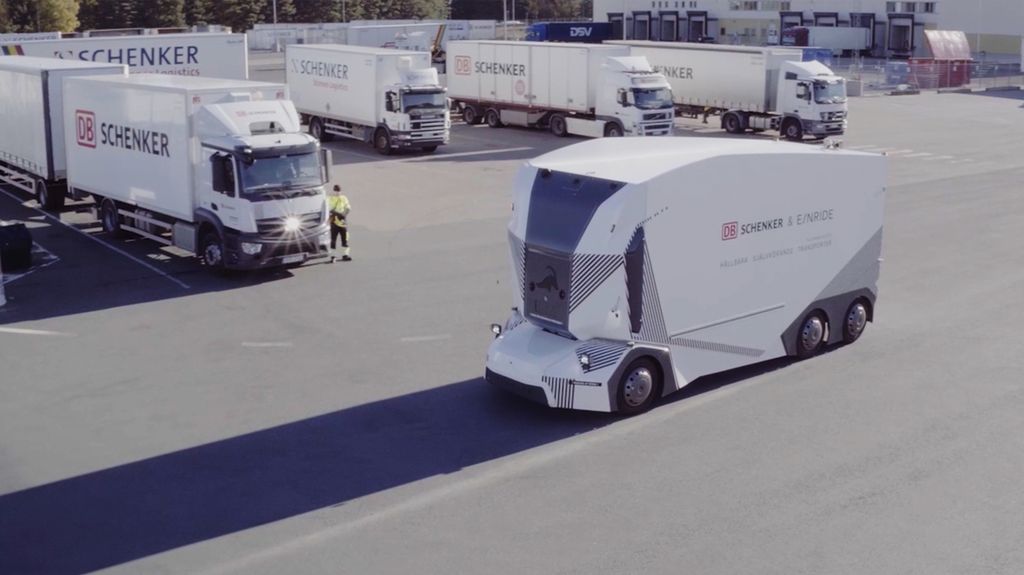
{"points": [[465, 154], [38, 253], [918, 155], [898, 152], [23, 331], [99, 241], [939, 158]]}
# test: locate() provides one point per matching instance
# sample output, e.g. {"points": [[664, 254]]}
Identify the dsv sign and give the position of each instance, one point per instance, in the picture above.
{"points": [[580, 31]]}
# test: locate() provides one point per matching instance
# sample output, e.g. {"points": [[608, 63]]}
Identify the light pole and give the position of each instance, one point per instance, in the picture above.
{"points": [[277, 37], [504, 18], [624, 6]]}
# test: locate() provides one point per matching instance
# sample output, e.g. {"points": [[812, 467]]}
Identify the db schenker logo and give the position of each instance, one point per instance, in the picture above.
{"points": [[730, 230], [85, 128], [463, 65]]}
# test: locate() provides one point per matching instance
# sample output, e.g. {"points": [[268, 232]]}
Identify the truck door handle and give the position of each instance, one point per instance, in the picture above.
{"points": [[214, 206]]}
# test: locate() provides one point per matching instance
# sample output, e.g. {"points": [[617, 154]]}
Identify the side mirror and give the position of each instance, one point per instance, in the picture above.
{"points": [[389, 101], [802, 92], [223, 174], [623, 98], [326, 161]]}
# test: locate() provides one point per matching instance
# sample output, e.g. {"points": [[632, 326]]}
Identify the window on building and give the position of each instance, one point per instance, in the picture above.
{"points": [[785, 6], [929, 7], [910, 6], [891, 7], [750, 5]]}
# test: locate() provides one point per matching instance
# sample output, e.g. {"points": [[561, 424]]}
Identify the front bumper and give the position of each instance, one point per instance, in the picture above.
{"points": [[419, 139], [833, 128], [276, 251]]}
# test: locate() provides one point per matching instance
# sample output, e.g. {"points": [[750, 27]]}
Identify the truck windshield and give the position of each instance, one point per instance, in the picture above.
{"points": [[830, 92], [424, 100], [652, 98], [281, 173]]}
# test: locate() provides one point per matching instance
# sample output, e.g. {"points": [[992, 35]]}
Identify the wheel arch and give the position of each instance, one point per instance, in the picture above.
{"points": [[662, 357], [830, 307]]}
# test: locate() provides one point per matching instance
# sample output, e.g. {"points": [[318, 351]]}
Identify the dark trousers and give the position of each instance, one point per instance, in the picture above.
{"points": [[336, 231]]}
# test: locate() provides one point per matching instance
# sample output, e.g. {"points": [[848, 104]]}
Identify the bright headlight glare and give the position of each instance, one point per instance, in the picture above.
{"points": [[584, 360], [291, 224], [251, 249]]}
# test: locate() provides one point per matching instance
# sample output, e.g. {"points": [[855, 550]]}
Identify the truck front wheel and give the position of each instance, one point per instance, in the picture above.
{"points": [[382, 142], [558, 126], [612, 130], [733, 124], [211, 251], [792, 130], [639, 387]]}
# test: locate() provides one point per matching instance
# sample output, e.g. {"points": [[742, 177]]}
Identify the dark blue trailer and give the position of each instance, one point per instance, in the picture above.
{"points": [[595, 32]]}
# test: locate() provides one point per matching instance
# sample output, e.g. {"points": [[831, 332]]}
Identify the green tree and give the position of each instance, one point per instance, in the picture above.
{"points": [[239, 14], [543, 9], [5, 21], [285, 11], [160, 13], [104, 14], [42, 15], [321, 10], [198, 12]]}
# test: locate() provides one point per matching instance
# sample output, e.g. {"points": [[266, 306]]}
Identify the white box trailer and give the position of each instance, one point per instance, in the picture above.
{"points": [[838, 39], [757, 88], [208, 54], [217, 167], [32, 123], [584, 89], [641, 265], [390, 98]]}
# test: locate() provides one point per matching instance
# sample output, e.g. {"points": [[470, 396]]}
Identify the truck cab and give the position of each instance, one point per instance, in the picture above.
{"points": [[263, 181], [811, 99], [415, 111], [636, 97]]}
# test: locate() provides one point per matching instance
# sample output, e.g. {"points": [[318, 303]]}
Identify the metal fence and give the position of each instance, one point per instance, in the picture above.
{"points": [[875, 75]]}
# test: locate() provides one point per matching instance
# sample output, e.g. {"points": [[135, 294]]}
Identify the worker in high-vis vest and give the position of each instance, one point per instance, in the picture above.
{"points": [[339, 208]]}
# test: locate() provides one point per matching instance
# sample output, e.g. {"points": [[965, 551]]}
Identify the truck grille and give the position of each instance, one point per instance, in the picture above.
{"points": [[663, 115], [833, 116], [275, 226]]}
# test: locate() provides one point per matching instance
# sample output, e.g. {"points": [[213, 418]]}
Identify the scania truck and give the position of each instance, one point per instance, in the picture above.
{"points": [[641, 265], [755, 88], [390, 98], [584, 89], [219, 168], [32, 154]]}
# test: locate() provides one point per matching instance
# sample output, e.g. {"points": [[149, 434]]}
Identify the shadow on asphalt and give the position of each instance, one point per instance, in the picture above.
{"points": [[124, 513]]}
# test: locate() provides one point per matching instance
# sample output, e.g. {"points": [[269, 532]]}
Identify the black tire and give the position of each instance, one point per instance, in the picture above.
{"points": [[211, 251], [48, 198], [110, 220], [612, 130], [316, 129], [733, 124], [429, 149], [382, 142], [855, 321], [493, 118], [558, 125], [792, 130], [638, 392], [812, 335], [470, 115]]}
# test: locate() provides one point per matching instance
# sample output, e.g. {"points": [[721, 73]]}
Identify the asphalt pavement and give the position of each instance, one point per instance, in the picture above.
{"points": [[331, 418]]}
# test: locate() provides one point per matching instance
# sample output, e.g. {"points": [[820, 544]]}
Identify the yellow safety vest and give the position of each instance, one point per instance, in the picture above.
{"points": [[338, 205]]}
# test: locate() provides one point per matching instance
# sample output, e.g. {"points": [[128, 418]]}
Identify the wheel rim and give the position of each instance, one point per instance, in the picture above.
{"points": [[382, 142], [42, 193], [615, 132], [109, 218], [638, 387], [317, 130], [212, 254], [468, 115], [558, 126], [731, 125], [793, 132], [492, 119], [812, 333], [856, 319]]}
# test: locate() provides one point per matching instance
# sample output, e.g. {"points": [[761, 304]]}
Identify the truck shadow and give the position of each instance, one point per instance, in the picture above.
{"points": [[132, 511]]}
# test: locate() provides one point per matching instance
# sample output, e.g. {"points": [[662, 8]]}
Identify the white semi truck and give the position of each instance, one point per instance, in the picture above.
{"points": [[32, 154], [219, 168], [389, 98], [756, 88], [641, 265], [584, 89], [214, 54]]}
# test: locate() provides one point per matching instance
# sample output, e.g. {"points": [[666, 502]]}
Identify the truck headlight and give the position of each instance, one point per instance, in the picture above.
{"points": [[251, 249], [584, 361], [496, 329], [291, 224]]}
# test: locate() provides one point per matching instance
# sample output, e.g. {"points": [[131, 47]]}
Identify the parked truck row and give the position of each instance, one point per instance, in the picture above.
{"points": [[217, 167]]}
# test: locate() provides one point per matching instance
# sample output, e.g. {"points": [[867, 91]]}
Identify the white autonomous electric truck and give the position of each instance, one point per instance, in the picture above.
{"points": [[641, 265]]}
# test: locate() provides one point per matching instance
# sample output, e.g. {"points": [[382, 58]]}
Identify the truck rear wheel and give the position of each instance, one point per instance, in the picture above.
{"points": [[732, 124], [612, 130], [558, 125], [211, 251], [810, 339], [316, 129], [47, 198], [382, 142], [110, 220], [855, 321], [470, 115], [792, 130], [639, 387], [493, 118]]}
